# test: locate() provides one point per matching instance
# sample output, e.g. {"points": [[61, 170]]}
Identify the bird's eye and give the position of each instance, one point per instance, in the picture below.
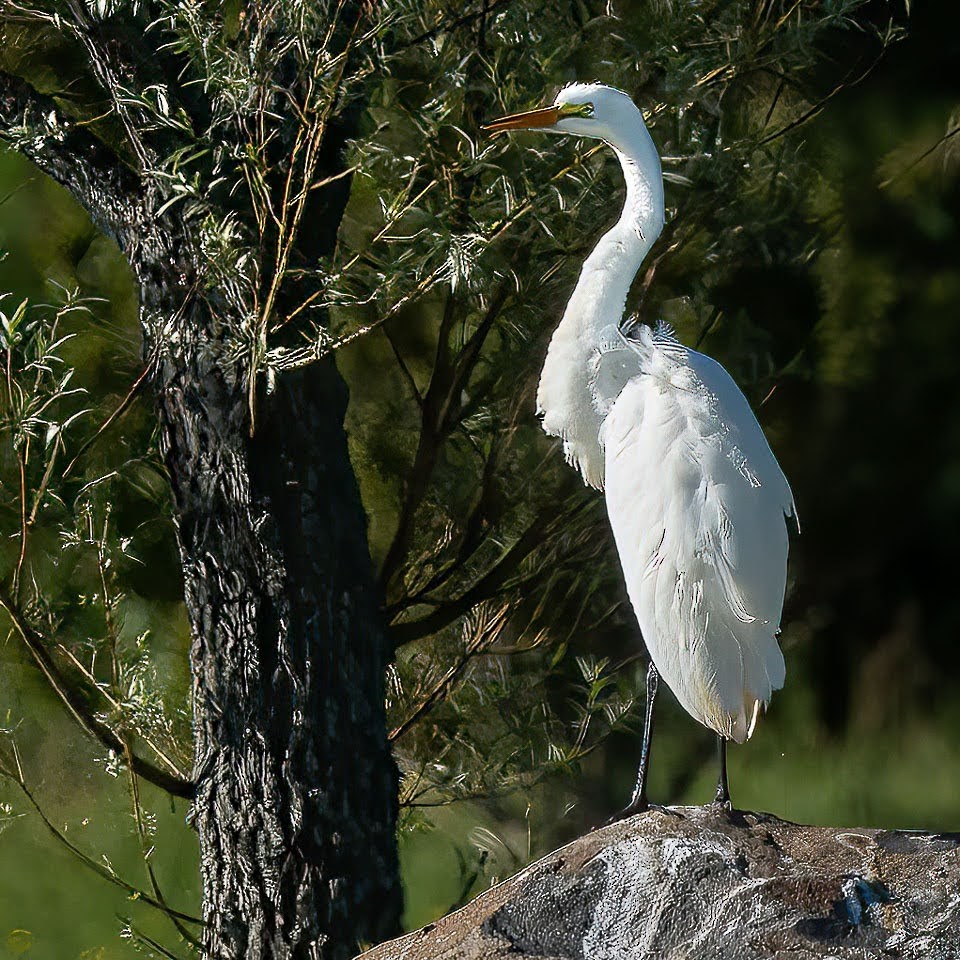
{"points": [[575, 110]]}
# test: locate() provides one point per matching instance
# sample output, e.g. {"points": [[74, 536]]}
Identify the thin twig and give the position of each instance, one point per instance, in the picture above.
{"points": [[452, 25], [146, 851], [141, 937], [818, 107], [483, 639], [88, 861], [483, 589], [78, 708], [115, 704], [21, 463], [918, 160], [122, 408]]}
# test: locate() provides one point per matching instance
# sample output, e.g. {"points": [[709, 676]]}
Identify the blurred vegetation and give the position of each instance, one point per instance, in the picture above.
{"points": [[813, 238]]}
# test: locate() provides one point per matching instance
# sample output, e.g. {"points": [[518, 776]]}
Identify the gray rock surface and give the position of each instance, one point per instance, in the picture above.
{"points": [[698, 882]]}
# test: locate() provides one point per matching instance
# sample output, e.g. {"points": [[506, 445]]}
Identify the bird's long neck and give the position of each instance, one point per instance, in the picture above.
{"points": [[564, 396]]}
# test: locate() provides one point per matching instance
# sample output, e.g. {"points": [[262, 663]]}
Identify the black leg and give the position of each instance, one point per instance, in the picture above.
{"points": [[723, 789], [638, 802]]}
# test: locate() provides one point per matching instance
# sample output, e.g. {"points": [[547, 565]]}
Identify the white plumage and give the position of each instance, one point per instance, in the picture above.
{"points": [[697, 500], [564, 396], [695, 496]]}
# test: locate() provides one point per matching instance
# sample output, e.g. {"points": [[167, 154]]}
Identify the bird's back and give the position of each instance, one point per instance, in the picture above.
{"points": [[697, 504]]}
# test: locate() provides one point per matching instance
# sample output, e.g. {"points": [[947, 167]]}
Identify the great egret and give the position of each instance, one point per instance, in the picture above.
{"points": [[696, 499]]}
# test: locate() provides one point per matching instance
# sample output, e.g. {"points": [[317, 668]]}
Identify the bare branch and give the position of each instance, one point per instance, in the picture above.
{"points": [[449, 26], [76, 704], [949, 135], [33, 124], [481, 641], [485, 588], [118, 412]]}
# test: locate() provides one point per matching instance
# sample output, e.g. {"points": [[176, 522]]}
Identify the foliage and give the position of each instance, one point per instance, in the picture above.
{"points": [[46, 502], [89, 518]]}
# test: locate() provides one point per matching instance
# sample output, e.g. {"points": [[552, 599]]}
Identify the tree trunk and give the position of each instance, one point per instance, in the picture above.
{"points": [[296, 789], [682, 882], [295, 786]]}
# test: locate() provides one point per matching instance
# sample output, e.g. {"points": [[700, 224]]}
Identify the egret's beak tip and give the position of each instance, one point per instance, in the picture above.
{"points": [[529, 120]]}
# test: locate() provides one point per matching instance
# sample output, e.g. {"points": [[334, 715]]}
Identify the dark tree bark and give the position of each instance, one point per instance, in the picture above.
{"points": [[296, 790], [295, 786]]}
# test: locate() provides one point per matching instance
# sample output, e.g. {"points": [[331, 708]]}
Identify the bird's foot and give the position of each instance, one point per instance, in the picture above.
{"points": [[721, 799], [633, 808], [726, 810]]}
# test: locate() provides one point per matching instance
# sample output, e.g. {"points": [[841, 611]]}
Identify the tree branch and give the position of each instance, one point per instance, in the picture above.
{"points": [[428, 445], [33, 124], [76, 704], [101, 871], [485, 588], [484, 637], [449, 26]]}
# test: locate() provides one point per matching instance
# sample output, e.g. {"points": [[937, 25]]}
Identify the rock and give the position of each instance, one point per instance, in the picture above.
{"points": [[704, 883]]}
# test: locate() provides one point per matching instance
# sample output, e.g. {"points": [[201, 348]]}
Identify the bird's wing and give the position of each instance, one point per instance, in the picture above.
{"points": [[745, 443], [697, 502]]}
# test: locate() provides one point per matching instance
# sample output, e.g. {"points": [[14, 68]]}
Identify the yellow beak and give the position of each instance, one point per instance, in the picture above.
{"points": [[530, 120]]}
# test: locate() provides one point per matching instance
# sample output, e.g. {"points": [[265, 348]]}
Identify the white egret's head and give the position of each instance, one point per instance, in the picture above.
{"points": [[582, 109]]}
